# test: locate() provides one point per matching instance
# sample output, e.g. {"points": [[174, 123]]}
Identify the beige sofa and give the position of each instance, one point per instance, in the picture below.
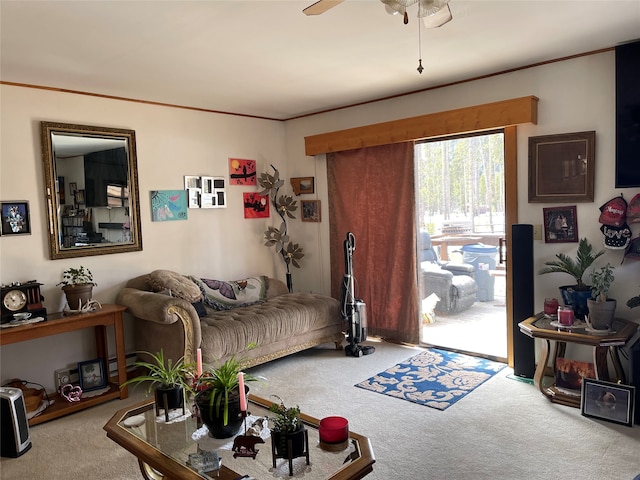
{"points": [[165, 307]]}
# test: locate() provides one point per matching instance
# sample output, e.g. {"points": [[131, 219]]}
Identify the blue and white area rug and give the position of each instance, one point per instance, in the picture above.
{"points": [[435, 378]]}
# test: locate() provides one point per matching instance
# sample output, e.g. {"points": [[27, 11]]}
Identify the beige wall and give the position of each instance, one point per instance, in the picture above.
{"points": [[575, 95]]}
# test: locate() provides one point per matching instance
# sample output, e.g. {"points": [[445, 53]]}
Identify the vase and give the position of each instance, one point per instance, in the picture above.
{"points": [[289, 282], [78, 295], [601, 313], [282, 441], [213, 417], [576, 299]]}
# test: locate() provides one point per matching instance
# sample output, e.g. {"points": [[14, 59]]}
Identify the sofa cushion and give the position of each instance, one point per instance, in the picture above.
{"points": [[180, 286], [223, 295]]}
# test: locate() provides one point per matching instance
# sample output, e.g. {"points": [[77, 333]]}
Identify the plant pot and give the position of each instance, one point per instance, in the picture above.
{"points": [[576, 299], [78, 295], [281, 443], [174, 396], [213, 417], [601, 313]]}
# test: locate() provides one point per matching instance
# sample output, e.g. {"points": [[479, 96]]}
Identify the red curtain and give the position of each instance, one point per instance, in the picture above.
{"points": [[371, 194]]}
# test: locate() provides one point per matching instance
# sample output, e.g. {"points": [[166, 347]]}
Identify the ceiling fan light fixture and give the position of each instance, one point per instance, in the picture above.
{"points": [[439, 18]]}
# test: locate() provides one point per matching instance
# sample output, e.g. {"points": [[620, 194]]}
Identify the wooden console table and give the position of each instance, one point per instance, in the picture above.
{"points": [[108, 315], [540, 327]]}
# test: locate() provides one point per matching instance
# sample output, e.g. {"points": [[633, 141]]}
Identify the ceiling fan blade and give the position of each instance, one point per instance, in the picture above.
{"points": [[320, 7], [439, 18]]}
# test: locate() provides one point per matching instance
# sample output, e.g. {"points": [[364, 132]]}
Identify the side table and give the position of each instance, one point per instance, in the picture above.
{"points": [[539, 326], [108, 315]]}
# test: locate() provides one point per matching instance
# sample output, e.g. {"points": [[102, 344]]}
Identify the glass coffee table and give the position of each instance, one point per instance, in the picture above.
{"points": [[163, 449]]}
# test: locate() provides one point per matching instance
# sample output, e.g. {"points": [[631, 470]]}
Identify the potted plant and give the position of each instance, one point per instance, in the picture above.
{"points": [[171, 380], [77, 285], [287, 431], [574, 295], [601, 308], [218, 398]]}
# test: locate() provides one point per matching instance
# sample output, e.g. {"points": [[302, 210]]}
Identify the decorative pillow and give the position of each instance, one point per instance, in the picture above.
{"points": [[180, 285], [223, 295]]}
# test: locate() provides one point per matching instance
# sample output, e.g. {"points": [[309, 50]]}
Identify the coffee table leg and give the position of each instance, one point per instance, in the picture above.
{"points": [[148, 472]]}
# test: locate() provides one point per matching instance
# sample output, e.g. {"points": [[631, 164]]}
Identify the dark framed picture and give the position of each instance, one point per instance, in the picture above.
{"points": [[303, 185], [560, 224], [311, 210], [79, 197], [92, 375], [608, 401], [15, 218], [562, 167]]}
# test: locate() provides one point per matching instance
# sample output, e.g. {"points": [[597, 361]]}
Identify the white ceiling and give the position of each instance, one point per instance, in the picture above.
{"points": [[265, 58]]}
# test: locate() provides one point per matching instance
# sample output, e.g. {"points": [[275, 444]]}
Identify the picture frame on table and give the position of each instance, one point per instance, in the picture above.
{"points": [[92, 375], [613, 402], [15, 217], [562, 167], [560, 224], [311, 211]]}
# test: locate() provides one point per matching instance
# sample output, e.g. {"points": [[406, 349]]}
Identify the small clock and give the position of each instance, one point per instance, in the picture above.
{"points": [[25, 297]]}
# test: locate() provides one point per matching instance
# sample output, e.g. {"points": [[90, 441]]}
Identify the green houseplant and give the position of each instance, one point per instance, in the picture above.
{"points": [[218, 398], [601, 308], [77, 285], [574, 295], [287, 430], [170, 379]]}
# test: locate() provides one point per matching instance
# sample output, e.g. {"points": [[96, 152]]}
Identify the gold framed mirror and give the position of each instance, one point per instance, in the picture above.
{"points": [[91, 190]]}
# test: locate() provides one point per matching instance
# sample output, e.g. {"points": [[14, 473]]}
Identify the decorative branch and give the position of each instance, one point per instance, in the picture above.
{"points": [[284, 205]]}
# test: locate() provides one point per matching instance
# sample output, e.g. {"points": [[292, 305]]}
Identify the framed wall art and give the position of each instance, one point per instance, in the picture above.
{"points": [[613, 402], [310, 210], [561, 167], [242, 172], [92, 375], [303, 185], [560, 224], [167, 205], [15, 218], [255, 205]]}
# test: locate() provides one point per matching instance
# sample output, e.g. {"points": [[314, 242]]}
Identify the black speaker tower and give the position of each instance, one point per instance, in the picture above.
{"points": [[522, 276]]}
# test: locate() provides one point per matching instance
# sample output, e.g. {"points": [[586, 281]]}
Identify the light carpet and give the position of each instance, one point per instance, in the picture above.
{"points": [[435, 378], [505, 430]]}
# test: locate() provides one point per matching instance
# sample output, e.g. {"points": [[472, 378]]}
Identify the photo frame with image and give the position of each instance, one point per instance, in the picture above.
{"points": [[92, 375], [303, 185], [560, 224], [562, 167], [311, 210], [15, 217], [613, 402]]}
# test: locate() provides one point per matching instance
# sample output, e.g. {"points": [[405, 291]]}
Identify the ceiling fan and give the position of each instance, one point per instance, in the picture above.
{"points": [[434, 13]]}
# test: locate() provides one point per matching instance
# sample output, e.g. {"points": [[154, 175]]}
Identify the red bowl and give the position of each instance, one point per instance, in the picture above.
{"points": [[333, 430]]}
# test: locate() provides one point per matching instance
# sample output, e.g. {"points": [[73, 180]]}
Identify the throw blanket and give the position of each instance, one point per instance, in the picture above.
{"points": [[223, 295]]}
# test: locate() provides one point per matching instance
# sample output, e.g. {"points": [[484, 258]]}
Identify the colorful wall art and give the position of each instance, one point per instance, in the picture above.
{"points": [[242, 172], [255, 205], [168, 205]]}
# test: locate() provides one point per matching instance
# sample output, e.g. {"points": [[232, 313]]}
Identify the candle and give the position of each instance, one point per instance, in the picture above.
{"points": [[199, 362], [243, 396], [565, 316]]}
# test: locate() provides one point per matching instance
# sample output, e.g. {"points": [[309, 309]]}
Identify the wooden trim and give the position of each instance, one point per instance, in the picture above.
{"points": [[469, 119], [511, 218]]}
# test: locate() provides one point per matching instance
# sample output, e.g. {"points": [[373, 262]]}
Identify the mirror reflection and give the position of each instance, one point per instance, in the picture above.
{"points": [[92, 190]]}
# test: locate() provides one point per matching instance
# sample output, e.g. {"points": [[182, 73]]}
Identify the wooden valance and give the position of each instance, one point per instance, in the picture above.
{"points": [[469, 119]]}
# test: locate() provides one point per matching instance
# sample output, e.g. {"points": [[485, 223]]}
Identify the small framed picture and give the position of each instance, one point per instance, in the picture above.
{"points": [[303, 185], [73, 188], [80, 197], [92, 375], [560, 224], [311, 210], [15, 218], [608, 401]]}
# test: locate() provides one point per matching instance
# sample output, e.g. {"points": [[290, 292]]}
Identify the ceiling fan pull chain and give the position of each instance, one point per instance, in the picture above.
{"points": [[420, 68]]}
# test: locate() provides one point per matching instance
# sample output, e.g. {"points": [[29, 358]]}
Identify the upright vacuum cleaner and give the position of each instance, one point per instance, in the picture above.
{"points": [[354, 310]]}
